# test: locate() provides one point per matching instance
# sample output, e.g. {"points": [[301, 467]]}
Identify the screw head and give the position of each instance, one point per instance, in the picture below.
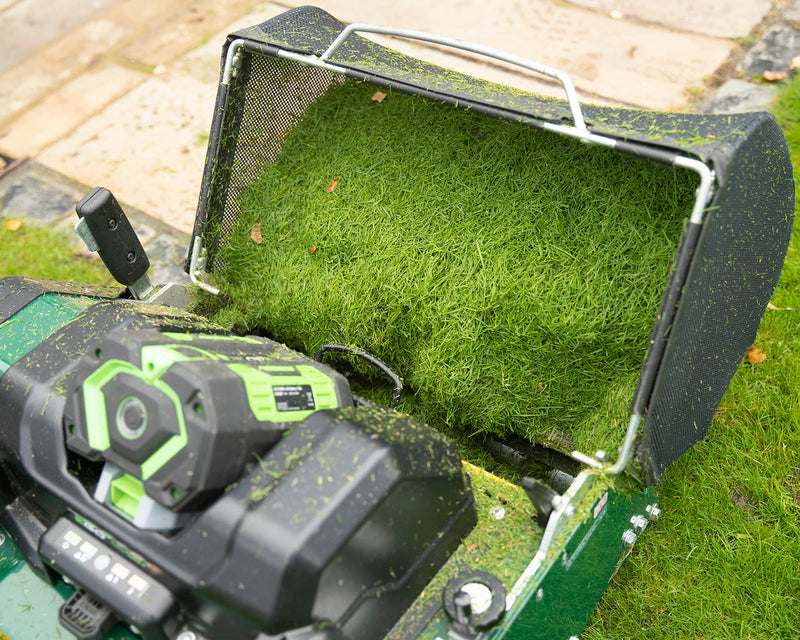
{"points": [[639, 523], [629, 537], [186, 635], [653, 512]]}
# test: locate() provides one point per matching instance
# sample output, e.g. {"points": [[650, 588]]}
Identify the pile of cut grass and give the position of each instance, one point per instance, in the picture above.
{"points": [[511, 277]]}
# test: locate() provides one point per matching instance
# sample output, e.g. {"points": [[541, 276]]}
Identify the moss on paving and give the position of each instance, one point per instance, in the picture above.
{"points": [[510, 276]]}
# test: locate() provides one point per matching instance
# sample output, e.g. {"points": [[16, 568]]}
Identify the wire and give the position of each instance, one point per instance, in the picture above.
{"points": [[378, 364]]}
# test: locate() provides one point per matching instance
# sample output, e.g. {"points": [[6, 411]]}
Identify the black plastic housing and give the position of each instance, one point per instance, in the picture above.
{"points": [[334, 530]]}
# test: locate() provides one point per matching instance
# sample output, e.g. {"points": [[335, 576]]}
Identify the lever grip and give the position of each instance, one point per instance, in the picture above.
{"points": [[118, 245]]}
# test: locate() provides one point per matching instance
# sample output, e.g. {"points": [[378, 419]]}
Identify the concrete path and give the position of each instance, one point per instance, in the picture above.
{"points": [[120, 93]]}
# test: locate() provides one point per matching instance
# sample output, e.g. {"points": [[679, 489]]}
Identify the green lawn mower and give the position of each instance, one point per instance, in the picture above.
{"points": [[178, 462]]}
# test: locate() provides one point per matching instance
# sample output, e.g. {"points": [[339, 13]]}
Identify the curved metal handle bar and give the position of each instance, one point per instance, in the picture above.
{"points": [[557, 74]]}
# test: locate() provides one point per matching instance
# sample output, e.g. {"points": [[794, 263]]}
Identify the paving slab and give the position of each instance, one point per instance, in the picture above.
{"points": [[65, 109], [55, 63], [792, 14], [717, 18], [773, 52], [740, 96], [149, 146], [632, 63], [29, 24]]}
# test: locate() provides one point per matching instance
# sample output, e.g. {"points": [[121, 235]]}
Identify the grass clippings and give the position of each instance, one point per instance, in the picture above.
{"points": [[511, 277]]}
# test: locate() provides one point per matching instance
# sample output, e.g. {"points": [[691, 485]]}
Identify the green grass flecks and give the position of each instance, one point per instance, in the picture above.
{"points": [[723, 562], [39, 252], [511, 277]]}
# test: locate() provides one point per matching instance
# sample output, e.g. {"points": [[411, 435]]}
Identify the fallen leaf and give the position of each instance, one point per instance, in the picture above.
{"points": [[378, 96], [312, 249], [755, 355], [255, 233], [772, 307], [13, 225], [774, 76], [332, 185]]}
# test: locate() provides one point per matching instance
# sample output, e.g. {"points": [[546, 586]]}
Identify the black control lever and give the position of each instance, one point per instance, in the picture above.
{"points": [[104, 228], [544, 499]]}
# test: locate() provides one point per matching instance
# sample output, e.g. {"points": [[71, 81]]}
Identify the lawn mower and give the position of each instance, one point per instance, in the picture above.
{"points": [[166, 477]]}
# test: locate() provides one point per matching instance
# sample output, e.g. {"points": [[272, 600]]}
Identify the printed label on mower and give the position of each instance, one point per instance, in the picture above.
{"points": [[294, 397]]}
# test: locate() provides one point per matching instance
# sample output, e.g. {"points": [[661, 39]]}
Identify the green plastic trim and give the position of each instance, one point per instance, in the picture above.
{"points": [[193, 337], [37, 321], [157, 358], [97, 427], [126, 494], [259, 382]]}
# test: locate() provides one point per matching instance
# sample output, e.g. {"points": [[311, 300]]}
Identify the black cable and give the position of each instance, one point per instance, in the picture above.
{"points": [[341, 348]]}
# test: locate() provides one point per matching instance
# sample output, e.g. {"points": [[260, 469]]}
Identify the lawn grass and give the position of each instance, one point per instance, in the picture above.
{"points": [[511, 277], [725, 560], [40, 252]]}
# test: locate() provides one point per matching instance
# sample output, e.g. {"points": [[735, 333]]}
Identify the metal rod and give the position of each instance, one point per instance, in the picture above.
{"points": [[557, 74], [197, 266]]}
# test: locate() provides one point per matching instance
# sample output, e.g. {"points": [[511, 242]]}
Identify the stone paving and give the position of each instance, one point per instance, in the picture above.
{"points": [[119, 93]]}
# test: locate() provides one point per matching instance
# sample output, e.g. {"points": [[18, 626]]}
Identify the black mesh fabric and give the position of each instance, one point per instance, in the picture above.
{"points": [[732, 272]]}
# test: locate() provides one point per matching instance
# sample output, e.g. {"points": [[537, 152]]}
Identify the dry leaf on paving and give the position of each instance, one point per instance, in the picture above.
{"points": [[255, 233], [332, 185], [13, 225], [774, 76], [378, 96], [755, 355]]}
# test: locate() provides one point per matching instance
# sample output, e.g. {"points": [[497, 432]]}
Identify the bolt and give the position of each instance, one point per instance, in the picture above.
{"points": [[112, 223], [629, 537], [639, 523], [131, 257], [186, 635], [653, 512]]}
